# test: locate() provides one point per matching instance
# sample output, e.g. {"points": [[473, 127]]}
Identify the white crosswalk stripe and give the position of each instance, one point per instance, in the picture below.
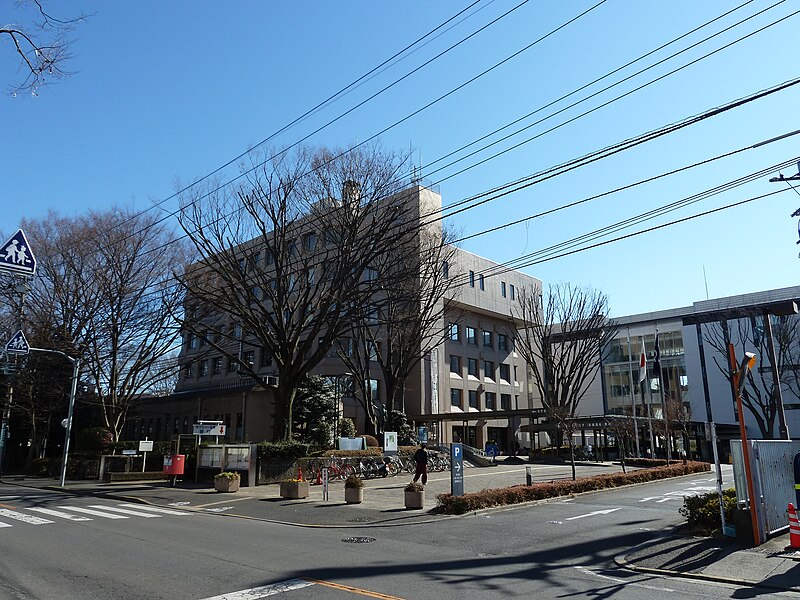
{"points": [[58, 513], [126, 511], [18, 516], [95, 513], [156, 509]]}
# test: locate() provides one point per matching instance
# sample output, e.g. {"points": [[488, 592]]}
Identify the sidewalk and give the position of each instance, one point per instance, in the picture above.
{"points": [[383, 500], [770, 566]]}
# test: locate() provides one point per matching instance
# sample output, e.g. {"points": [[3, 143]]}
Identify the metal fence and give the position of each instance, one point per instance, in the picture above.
{"points": [[773, 481]]}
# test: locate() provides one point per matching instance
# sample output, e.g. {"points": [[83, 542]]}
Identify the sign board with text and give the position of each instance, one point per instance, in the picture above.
{"points": [[208, 429], [456, 470], [146, 446]]}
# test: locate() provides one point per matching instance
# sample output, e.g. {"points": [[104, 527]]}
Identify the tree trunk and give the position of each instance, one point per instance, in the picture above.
{"points": [[572, 457]]}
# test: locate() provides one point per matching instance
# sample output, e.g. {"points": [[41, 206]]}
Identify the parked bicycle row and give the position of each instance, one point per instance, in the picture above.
{"points": [[372, 467]]}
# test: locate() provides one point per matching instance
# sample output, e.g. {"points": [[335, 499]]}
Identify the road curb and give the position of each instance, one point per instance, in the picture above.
{"points": [[621, 560]]}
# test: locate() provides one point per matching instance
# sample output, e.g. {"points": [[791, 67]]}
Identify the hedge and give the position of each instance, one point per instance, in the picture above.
{"points": [[458, 505], [372, 451], [702, 512]]}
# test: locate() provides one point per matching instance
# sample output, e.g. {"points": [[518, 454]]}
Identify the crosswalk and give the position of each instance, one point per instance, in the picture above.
{"points": [[38, 515]]}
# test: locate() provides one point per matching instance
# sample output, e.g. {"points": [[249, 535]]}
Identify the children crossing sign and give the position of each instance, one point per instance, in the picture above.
{"points": [[18, 344], [16, 256]]}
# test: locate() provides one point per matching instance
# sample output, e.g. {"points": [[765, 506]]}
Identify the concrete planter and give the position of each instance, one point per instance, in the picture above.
{"points": [[354, 495], [294, 490], [415, 499], [226, 485]]}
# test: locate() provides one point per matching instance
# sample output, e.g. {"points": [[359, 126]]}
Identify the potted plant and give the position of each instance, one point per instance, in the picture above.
{"points": [[415, 495], [353, 490], [294, 489], [227, 481]]}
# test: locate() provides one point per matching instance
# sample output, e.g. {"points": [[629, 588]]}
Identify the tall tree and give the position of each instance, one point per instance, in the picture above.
{"points": [[293, 257], [562, 337]]}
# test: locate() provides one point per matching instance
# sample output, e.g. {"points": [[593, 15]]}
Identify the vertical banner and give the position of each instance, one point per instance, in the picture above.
{"points": [[456, 470], [434, 381]]}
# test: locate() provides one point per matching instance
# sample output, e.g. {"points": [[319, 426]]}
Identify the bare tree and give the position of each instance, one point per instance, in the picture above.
{"points": [[132, 331], [292, 259], [42, 45], [760, 396], [562, 337]]}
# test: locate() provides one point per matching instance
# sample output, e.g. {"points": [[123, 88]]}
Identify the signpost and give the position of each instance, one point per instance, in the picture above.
{"points": [[145, 446], [215, 428], [18, 344], [456, 470], [422, 435], [16, 256]]}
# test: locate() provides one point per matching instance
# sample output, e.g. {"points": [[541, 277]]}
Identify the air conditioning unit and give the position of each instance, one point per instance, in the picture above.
{"points": [[273, 381]]}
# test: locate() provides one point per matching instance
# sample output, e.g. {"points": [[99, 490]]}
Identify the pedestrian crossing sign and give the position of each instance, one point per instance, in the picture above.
{"points": [[16, 255], [18, 344]]}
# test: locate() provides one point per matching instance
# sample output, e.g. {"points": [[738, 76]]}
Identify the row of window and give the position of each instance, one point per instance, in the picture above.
{"points": [[214, 366], [489, 400], [488, 369], [486, 337]]}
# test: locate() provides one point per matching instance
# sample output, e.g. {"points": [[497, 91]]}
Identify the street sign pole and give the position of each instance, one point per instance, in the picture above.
{"points": [[456, 470]]}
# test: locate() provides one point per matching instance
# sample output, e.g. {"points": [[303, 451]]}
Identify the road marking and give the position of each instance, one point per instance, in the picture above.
{"points": [[5, 524], [125, 511], [95, 513], [354, 590], [588, 571], [665, 499], [155, 509], [58, 513], [219, 509], [178, 503], [608, 511], [265, 590], [30, 519]]}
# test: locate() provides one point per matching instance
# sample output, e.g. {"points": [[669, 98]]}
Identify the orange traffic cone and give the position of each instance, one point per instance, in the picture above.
{"points": [[794, 528]]}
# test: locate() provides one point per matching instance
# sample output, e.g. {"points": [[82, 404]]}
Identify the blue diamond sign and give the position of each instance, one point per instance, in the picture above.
{"points": [[16, 256], [18, 344]]}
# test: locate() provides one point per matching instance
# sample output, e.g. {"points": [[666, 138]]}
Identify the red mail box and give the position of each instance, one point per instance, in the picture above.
{"points": [[173, 465]]}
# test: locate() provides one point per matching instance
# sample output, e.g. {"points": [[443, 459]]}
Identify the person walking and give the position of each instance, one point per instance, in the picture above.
{"points": [[421, 459]]}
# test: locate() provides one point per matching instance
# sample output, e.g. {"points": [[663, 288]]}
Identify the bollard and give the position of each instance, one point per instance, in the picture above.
{"points": [[794, 528], [528, 476]]}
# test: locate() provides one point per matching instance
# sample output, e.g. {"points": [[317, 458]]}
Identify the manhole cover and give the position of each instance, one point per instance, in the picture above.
{"points": [[358, 540], [358, 520]]}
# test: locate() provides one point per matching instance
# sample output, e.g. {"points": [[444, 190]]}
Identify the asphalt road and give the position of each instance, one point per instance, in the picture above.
{"points": [[58, 546]]}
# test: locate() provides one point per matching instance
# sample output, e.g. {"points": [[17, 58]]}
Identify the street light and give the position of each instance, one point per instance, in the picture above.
{"points": [[338, 404]]}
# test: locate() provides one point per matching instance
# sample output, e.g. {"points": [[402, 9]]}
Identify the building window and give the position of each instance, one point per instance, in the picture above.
{"points": [[202, 369], [480, 281], [502, 341], [488, 369], [503, 289], [455, 364], [266, 357], [454, 332], [455, 397], [505, 372], [231, 365], [309, 242], [371, 274], [472, 279], [248, 359], [216, 365], [473, 399], [515, 374], [512, 291], [505, 401], [446, 269], [487, 339], [472, 367], [187, 370], [192, 341], [489, 400], [470, 332]]}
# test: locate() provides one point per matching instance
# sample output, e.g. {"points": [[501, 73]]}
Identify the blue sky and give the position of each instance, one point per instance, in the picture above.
{"points": [[167, 92]]}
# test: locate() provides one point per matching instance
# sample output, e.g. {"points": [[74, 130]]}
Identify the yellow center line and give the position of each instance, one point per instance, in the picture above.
{"points": [[354, 590], [8, 506]]}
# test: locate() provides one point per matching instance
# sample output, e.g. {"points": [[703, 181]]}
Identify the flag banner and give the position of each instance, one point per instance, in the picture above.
{"points": [[642, 364], [657, 359]]}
